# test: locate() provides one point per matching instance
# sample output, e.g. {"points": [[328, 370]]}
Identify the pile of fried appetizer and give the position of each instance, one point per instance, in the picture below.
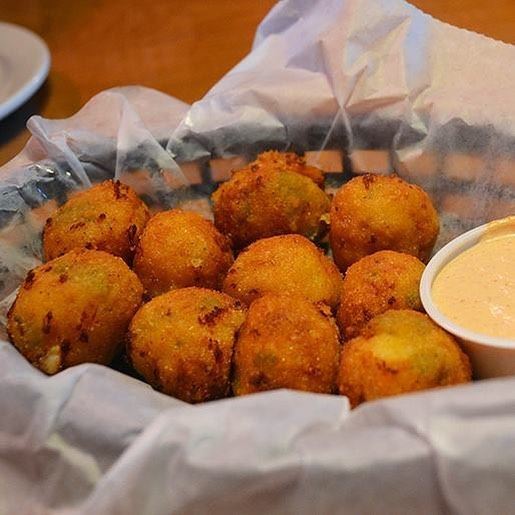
{"points": [[249, 303]]}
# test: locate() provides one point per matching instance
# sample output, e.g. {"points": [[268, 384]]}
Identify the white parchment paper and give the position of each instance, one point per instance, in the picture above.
{"points": [[383, 87]]}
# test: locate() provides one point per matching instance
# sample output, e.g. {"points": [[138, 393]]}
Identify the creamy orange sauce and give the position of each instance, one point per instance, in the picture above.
{"points": [[476, 290]]}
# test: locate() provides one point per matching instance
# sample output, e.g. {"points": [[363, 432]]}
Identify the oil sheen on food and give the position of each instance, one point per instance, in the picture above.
{"points": [[476, 290]]}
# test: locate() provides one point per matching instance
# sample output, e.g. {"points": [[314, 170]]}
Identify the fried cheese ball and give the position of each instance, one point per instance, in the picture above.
{"points": [[179, 249], [375, 212], [74, 309], [286, 341], [376, 283], [264, 199], [400, 351], [108, 216], [284, 264], [281, 161], [182, 342]]}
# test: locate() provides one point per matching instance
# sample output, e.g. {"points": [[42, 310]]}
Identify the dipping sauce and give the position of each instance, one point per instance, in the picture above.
{"points": [[476, 290]]}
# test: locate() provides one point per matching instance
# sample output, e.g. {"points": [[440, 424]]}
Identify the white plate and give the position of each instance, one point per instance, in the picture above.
{"points": [[24, 65]]}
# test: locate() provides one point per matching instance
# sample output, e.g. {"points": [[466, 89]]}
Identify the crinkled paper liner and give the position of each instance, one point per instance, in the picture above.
{"points": [[358, 85]]}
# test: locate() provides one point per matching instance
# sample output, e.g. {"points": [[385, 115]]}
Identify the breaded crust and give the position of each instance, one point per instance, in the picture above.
{"points": [[376, 283], [374, 212], [182, 342], [397, 352], [74, 309], [179, 249], [288, 161], [108, 216], [284, 264], [286, 341], [264, 199]]}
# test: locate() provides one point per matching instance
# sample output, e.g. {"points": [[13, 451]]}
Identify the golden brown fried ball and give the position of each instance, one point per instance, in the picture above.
{"points": [[284, 264], [108, 216], [179, 249], [374, 212], [74, 309], [397, 352], [376, 283], [182, 342], [286, 341], [263, 200], [288, 161]]}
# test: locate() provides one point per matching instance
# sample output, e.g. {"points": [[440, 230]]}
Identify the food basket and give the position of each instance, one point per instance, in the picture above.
{"points": [[357, 86]]}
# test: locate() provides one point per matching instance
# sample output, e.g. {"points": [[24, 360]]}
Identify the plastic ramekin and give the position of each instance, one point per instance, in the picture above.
{"points": [[490, 356]]}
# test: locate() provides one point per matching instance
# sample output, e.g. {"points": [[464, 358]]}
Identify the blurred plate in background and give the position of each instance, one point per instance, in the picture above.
{"points": [[24, 65]]}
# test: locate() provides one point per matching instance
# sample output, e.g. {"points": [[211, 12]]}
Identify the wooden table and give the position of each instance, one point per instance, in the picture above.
{"points": [[179, 47]]}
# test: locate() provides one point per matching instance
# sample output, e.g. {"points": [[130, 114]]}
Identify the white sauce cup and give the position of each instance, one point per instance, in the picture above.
{"points": [[490, 356]]}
